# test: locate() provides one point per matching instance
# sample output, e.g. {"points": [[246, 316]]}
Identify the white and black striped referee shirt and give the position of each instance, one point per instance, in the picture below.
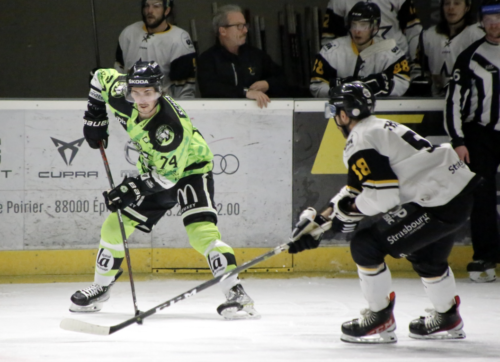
{"points": [[474, 90]]}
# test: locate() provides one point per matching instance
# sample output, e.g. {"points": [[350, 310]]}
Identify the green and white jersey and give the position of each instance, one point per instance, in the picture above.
{"points": [[170, 147]]}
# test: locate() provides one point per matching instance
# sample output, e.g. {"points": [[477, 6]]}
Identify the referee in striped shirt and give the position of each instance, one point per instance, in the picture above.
{"points": [[472, 120]]}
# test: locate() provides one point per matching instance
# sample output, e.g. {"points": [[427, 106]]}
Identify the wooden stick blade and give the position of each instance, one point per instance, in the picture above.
{"points": [[84, 327]]}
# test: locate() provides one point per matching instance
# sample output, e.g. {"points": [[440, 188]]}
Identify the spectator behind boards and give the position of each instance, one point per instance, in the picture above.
{"points": [[472, 119], [234, 69], [399, 22], [361, 56], [154, 38], [440, 45]]}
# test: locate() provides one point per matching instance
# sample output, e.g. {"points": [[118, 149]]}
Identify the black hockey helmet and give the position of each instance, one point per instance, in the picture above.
{"points": [[166, 3], [364, 11], [489, 7], [144, 74], [356, 99]]}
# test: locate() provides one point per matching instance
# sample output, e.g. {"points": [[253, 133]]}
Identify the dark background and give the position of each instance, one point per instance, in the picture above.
{"points": [[47, 46]]}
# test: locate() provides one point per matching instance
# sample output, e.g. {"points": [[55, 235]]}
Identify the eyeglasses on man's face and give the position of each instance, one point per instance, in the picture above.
{"points": [[238, 26]]}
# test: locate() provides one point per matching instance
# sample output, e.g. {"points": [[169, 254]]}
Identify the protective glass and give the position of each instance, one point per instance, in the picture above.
{"points": [[360, 26], [238, 26], [330, 110]]}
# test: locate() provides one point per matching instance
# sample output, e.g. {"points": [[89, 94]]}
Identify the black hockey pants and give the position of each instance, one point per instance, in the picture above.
{"points": [[424, 235]]}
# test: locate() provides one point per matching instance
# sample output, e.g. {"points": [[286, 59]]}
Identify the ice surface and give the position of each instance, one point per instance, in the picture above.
{"points": [[300, 321]]}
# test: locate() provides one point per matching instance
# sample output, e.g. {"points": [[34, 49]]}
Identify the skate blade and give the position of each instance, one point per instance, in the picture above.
{"points": [[383, 337], [453, 334], [91, 308], [487, 276], [235, 313]]}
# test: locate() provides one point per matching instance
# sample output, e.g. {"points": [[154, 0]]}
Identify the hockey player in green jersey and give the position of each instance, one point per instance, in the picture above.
{"points": [[175, 166]]}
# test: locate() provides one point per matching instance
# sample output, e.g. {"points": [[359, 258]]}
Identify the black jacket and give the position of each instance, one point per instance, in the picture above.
{"points": [[222, 74]]}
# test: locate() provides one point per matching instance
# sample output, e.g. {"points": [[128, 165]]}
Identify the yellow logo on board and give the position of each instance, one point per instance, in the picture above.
{"points": [[329, 159]]}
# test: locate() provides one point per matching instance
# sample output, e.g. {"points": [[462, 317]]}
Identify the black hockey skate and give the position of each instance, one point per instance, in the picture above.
{"points": [[238, 305], [482, 271], [92, 298], [437, 325], [373, 327]]}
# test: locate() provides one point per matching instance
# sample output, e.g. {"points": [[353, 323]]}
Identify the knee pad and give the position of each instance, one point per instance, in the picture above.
{"points": [[204, 237], [110, 230], [365, 249]]}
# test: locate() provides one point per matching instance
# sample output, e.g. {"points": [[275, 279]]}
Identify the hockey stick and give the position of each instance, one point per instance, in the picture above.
{"points": [[256, 30], [122, 229], [84, 327], [282, 34], [263, 34], [194, 35], [96, 40], [316, 43], [381, 46]]}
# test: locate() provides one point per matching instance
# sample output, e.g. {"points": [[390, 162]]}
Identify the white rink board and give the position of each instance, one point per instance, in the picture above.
{"points": [[252, 174], [12, 150], [57, 180]]}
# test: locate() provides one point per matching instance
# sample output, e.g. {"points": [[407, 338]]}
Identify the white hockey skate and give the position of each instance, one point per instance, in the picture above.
{"points": [[372, 327], [437, 325], [91, 299], [238, 305], [481, 271]]}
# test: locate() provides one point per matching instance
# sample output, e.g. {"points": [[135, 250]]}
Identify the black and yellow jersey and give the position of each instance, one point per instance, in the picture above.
{"points": [[389, 164]]}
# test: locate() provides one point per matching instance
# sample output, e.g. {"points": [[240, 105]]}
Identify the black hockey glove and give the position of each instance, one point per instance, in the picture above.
{"points": [[308, 231], [344, 220], [123, 195], [95, 131], [420, 86], [379, 83]]}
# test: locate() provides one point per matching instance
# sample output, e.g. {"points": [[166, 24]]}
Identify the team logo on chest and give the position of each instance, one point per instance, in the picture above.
{"points": [[164, 135]]}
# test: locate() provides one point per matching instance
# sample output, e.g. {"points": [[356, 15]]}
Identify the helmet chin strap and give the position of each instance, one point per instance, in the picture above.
{"points": [[344, 128]]}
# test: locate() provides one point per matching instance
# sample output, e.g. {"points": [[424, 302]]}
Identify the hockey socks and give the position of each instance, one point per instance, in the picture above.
{"points": [[376, 285], [444, 321]]}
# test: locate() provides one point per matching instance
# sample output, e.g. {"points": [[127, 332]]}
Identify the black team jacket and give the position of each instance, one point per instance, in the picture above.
{"points": [[222, 74]]}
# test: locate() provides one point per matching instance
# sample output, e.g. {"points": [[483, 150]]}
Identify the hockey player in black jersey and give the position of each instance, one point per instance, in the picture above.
{"points": [[422, 193]]}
